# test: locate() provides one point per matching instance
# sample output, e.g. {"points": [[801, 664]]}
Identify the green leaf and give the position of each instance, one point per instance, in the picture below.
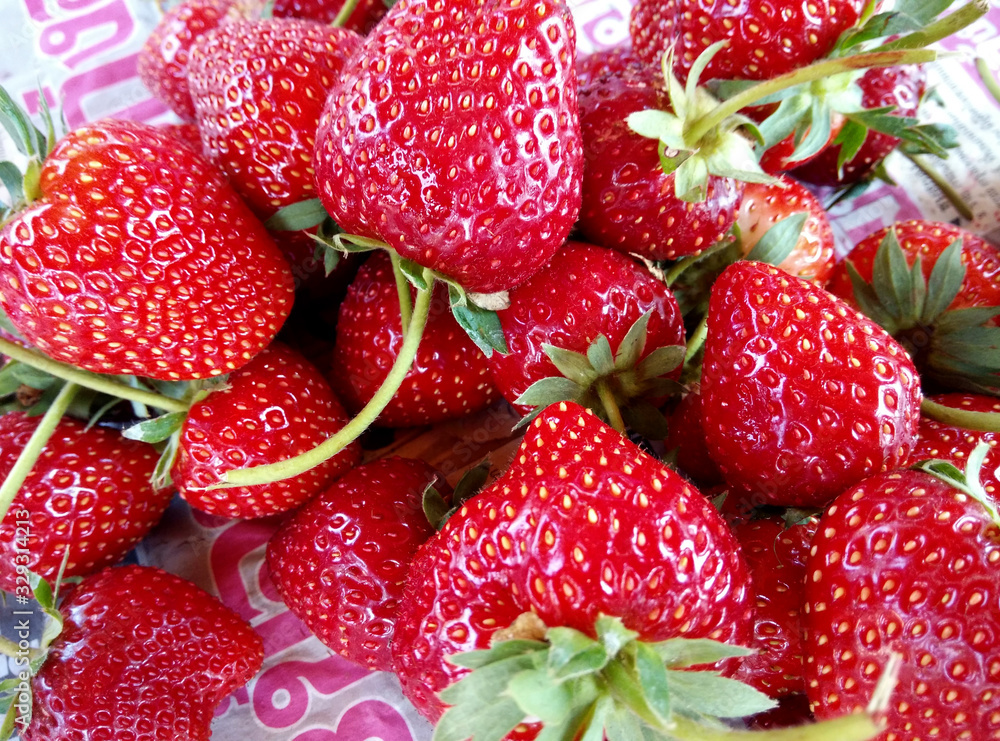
{"points": [[785, 120], [479, 721], [12, 179], [706, 693], [499, 652], [958, 320], [622, 724], [734, 157], [538, 695], [298, 216], [868, 301], [600, 357], [17, 124], [434, 507], [417, 276], [671, 159], [944, 283], [356, 243], [483, 327], [41, 590], [631, 347], [548, 391], [573, 654], [573, 365], [850, 140], [33, 377], [777, 243], [660, 125], [892, 279], [155, 430], [691, 180], [653, 678], [661, 362], [679, 653]]}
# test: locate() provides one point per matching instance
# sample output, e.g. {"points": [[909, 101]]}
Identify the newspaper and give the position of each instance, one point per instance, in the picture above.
{"points": [[81, 54]]}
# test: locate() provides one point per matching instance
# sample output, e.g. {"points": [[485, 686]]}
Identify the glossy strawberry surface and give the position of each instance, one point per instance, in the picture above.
{"points": [[90, 493], [143, 654], [449, 377], [629, 203], [765, 37], [802, 396], [584, 292], [904, 563], [455, 138], [259, 87], [275, 407], [943, 441], [340, 562], [362, 18], [139, 259], [582, 523]]}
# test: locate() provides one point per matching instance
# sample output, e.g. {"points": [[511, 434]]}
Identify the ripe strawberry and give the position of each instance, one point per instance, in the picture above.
{"points": [[89, 493], [258, 89], [629, 203], [137, 258], [776, 554], [765, 204], [944, 312], [802, 396], [586, 292], [455, 138], [449, 377], [142, 654], [582, 524], [685, 441], [764, 39], [363, 17], [340, 562], [275, 407], [615, 61], [163, 60], [900, 87], [951, 442], [186, 133], [905, 563]]}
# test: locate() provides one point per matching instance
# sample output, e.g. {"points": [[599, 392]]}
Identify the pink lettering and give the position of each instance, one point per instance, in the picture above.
{"points": [[59, 38], [281, 693], [366, 720], [100, 83]]}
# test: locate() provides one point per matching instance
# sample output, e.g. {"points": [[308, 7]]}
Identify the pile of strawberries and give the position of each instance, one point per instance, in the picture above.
{"points": [[756, 484]]}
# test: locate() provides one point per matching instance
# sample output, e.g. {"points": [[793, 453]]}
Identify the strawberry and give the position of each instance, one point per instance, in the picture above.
{"points": [[583, 524], [340, 562], [135, 257], [900, 87], [186, 133], [163, 60], [905, 563], [802, 396], [765, 204], [944, 311], [88, 494], [449, 377], [454, 137], [142, 654], [685, 440], [584, 294], [275, 407], [776, 554], [629, 202], [361, 18], [764, 40], [615, 61], [258, 89]]}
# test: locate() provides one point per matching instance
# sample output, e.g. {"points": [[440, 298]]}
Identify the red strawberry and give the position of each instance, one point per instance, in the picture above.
{"points": [[906, 563], [137, 258], [186, 133], [629, 203], [943, 313], [616, 61], [275, 407], [143, 654], [258, 89], [802, 396], [340, 562], [954, 443], [362, 18], [776, 555], [685, 441], [582, 524], [585, 292], [901, 87], [90, 493], [449, 377], [763, 39], [455, 138], [763, 205], [163, 59]]}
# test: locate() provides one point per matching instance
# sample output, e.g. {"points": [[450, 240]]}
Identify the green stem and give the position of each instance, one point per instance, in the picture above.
{"points": [[610, 405], [941, 28], [402, 290], [700, 127], [89, 380], [988, 79], [271, 472], [344, 13], [855, 727], [696, 340], [943, 185], [36, 443], [964, 418]]}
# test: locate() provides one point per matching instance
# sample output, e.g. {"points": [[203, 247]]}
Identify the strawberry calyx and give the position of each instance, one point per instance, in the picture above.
{"points": [[33, 144], [968, 481], [610, 685], [621, 388], [956, 348], [437, 508]]}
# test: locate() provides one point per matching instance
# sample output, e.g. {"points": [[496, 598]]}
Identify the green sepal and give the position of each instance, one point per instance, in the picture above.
{"points": [[573, 365], [298, 216], [868, 301], [471, 483], [666, 127], [600, 357], [548, 391], [691, 180], [905, 17], [850, 140], [893, 280], [481, 325], [27, 138], [489, 721], [161, 478], [9, 721], [777, 243], [572, 654], [613, 634], [622, 725], [707, 693], [157, 429], [436, 509], [930, 138], [24, 374], [8, 325], [501, 651], [662, 361], [671, 159], [968, 481], [944, 283], [12, 179], [734, 157], [653, 677], [538, 696], [682, 653], [633, 343]]}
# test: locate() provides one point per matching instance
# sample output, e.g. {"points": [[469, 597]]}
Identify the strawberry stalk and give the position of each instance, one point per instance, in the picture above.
{"points": [[855, 727], [989, 81], [403, 290], [344, 13], [610, 405], [89, 380], [946, 188], [36, 443], [290, 467]]}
